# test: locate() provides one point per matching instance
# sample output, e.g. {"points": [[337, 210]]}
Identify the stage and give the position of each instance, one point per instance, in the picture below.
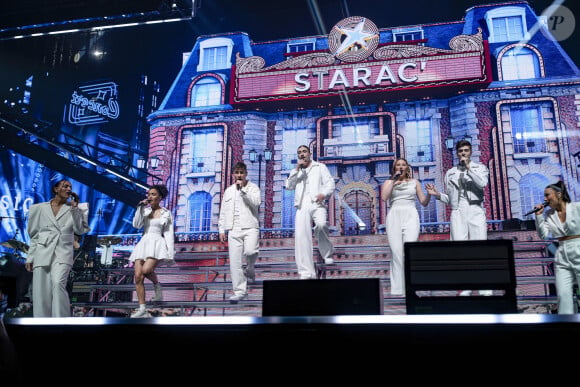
{"points": [[186, 345]]}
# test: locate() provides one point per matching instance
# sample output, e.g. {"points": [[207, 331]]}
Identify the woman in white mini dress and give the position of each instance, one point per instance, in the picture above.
{"points": [[403, 222], [156, 246]]}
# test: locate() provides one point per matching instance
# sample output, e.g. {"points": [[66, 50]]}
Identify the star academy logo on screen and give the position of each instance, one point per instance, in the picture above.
{"points": [[94, 104]]}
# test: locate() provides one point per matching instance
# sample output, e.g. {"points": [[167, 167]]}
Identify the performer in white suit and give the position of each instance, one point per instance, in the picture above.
{"points": [[157, 246], [313, 185], [464, 185], [239, 217], [52, 227], [403, 222], [562, 221], [464, 193]]}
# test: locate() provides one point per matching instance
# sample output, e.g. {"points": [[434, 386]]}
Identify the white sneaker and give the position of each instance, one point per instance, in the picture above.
{"points": [[158, 293], [237, 297], [486, 292], [328, 261], [140, 313], [465, 293]]}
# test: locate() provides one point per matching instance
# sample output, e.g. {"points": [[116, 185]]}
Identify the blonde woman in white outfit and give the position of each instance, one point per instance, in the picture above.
{"points": [[313, 185], [403, 222]]}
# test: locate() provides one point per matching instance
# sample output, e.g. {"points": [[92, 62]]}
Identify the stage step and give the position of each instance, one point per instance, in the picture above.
{"points": [[200, 281]]}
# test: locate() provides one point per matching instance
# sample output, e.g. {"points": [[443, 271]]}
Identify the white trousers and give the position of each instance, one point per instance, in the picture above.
{"points": [[49, 294], [242, 243], [305, 215], [403, 225], [567, 264], [468, 222]]}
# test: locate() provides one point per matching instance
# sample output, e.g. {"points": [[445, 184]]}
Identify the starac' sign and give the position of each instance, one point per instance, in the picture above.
{"points": [[355, 62]]}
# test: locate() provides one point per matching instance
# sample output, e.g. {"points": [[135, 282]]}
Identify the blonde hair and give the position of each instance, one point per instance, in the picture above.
{"points": [[408, 170]]}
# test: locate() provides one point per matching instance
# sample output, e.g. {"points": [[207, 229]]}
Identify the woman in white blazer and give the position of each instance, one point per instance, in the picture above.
{"points": [[52, 227], [562, 221]]}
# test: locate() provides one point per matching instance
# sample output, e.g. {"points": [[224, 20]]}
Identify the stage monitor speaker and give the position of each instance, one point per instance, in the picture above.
{"points": [[437, 271], [322, 297]]}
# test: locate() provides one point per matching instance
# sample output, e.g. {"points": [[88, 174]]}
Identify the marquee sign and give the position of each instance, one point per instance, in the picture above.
{"points": [[356, 63]]}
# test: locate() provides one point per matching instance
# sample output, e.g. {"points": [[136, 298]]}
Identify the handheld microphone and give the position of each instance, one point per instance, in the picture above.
{"points": [[536, 209], [397, 175], [74, 196]]}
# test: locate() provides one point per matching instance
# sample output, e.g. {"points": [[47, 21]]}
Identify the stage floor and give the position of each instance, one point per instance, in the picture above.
{"points": [[180, 347]]}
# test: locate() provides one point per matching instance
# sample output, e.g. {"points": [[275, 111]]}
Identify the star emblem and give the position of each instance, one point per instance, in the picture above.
{"points": [[353, 39], [356, 36]]}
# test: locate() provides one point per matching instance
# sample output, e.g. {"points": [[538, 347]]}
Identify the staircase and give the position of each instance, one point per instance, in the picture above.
{"points": [[199, 283]]}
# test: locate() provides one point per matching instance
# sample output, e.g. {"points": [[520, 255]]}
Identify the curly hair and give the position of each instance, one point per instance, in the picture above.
{"points": [[161, 188]]}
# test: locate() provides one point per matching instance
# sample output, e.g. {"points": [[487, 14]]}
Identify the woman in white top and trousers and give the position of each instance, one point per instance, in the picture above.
{"points": [[403, 222]]}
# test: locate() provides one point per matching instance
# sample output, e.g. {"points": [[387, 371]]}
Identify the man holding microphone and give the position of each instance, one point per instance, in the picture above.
{"points": [[239, 212], [313, 185], [464, 192]]}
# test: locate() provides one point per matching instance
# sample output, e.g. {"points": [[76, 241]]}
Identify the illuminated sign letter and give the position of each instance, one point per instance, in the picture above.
{"points": [[335, 79], [402, 69], [385, 74], [356, 76], [304, 82]]}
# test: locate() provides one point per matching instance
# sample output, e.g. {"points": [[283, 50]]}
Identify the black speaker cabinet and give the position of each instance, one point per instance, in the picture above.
{"points": [[436, 271], [322, 297]]}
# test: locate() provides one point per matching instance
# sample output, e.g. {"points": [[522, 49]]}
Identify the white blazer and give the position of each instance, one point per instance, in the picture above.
{"points": [[52, 237], [320, 181], [248, 213], [476, 178]]}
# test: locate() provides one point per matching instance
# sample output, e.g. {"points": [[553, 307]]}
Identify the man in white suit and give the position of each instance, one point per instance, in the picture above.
{"points": [[313, 185], [464, 193], [52, 227]]}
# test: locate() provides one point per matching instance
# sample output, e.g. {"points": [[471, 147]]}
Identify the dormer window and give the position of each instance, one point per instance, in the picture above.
{"points": [[301, 45], [215, 54], [407, 34], [506, 24]]}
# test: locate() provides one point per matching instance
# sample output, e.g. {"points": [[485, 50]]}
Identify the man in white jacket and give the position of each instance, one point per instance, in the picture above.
{"points": [[239, 217], [313, 185], [464, 193]]}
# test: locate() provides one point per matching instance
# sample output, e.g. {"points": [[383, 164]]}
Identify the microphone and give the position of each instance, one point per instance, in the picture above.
{"points": [[397, 175], [536, 209], [239, 184], [74, 196], [143, 202]]}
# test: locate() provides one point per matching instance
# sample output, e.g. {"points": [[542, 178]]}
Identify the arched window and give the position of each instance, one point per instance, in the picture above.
{"points": [[199, 211], [532, 190], [357, 213], [206, 92], [519, 63]]}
